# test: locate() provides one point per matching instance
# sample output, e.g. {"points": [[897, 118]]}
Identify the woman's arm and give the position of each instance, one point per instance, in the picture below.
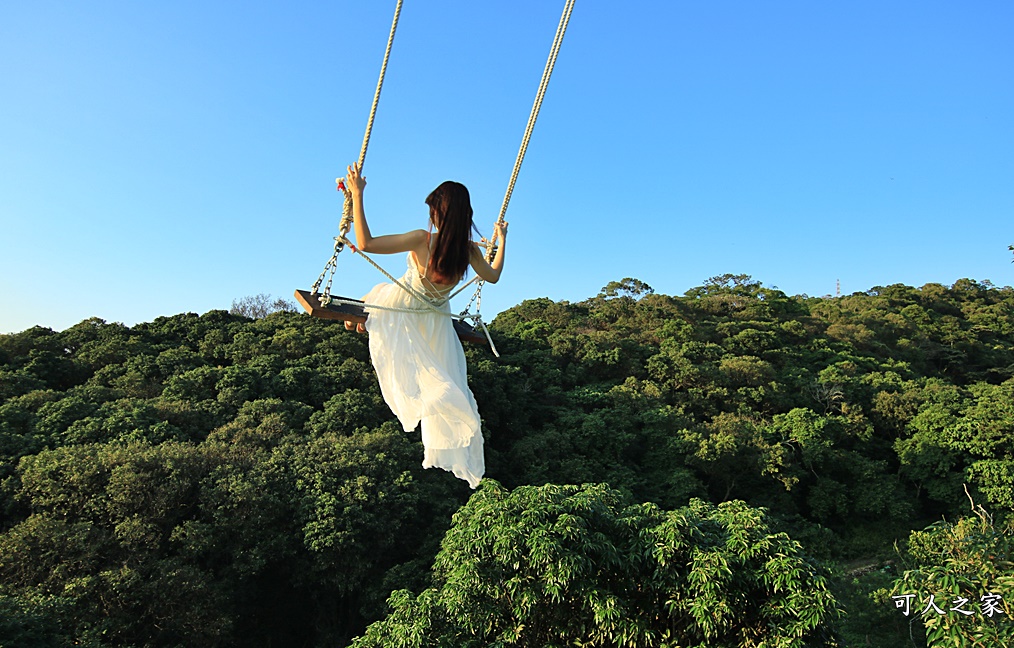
{"points": [[387, 244], [491, 271]]}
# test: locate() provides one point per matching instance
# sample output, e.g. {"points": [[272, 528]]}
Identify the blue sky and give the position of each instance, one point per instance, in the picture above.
{"points": [[168, 157]]}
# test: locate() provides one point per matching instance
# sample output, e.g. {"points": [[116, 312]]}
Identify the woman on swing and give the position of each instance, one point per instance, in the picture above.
{"points": [[417, 355]]}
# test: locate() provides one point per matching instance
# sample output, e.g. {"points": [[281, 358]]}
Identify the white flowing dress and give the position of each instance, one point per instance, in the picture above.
{"points": [[421, 368]]}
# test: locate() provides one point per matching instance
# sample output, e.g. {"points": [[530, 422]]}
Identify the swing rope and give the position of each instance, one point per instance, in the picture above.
{"points": [[346, 222], [561, 29], [347, 217], [547, 72]]}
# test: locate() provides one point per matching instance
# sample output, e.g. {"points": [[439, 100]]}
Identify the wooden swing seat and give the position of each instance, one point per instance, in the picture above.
{"points": [[356, 314]]}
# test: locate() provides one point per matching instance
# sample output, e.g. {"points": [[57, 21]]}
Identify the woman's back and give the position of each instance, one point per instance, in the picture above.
{"points": [[434, 284]]}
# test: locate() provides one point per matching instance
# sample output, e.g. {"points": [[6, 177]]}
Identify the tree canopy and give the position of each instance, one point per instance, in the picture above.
{"points": [[223, 480], [579, 565]]}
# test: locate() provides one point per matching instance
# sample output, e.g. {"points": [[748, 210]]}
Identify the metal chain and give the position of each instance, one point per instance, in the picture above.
{"points": [[331, 265]]}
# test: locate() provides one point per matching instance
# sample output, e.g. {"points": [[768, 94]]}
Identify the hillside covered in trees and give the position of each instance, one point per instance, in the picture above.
{"points": [[733, 467]]}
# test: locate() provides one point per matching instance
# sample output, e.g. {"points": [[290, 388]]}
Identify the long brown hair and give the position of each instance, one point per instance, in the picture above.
{"points": [[451, 213]]}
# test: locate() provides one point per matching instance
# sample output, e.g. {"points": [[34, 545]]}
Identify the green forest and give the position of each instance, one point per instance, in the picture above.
{"points": [[732, 467]]}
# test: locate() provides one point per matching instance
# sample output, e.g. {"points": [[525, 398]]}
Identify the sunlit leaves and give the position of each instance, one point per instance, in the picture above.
{"points": [[970, 559], [580, 566]]}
